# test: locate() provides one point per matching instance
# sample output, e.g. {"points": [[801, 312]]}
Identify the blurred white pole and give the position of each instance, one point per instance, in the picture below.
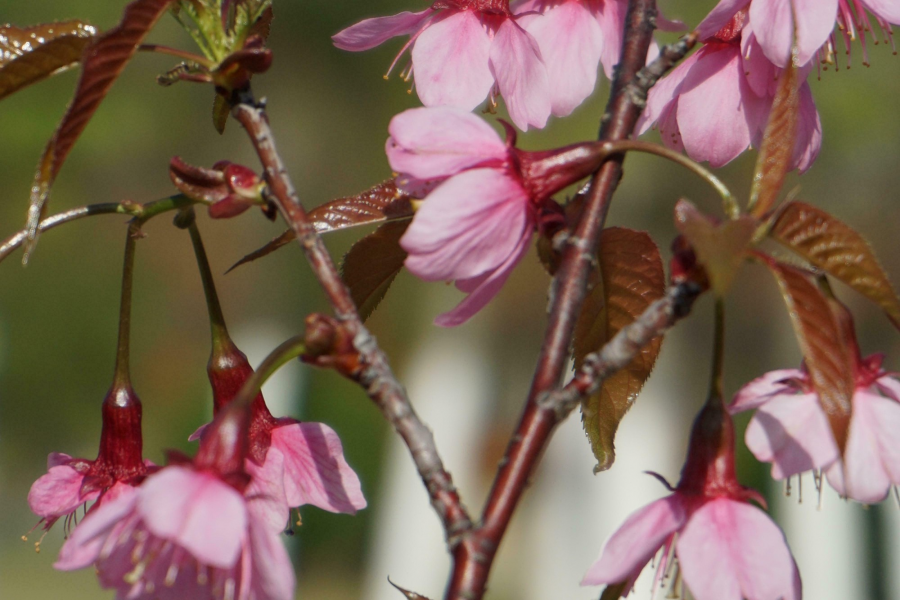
{"points": [[448, 382]]}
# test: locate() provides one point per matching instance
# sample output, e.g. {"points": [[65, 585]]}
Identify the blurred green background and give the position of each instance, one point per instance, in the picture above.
{"points": [[330, 110]]}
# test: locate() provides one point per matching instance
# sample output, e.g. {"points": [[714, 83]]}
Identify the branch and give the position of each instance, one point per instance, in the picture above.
{"points": [[473, 558], [621, 349], [376, 375]]}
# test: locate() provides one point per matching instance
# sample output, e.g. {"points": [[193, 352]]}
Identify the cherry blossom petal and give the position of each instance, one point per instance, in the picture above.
{"points": [[719, 17], [265, 494], [196, 510], [664, 94], [571, 42], [888, 10], [774, 27], [58, 492], [711, 111], [369, 33], [809, 131], [482, 289], [871, 452], [792, 432], [469, 225], [436, 142], [761, 74], [87, 540], [55, 459], [272, 575], [610, 15], [731, 551], [516, 63], [889, 386], [315, 470], [450, 62], [636, 541], [761, 389]]}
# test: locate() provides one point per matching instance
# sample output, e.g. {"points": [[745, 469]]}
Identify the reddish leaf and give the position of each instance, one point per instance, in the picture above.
{"points": [[102, 62], [33, 53], [383, 202], [631, 278], [371, 265], [720, 248], [826, 355], [777, 148], [838, 250]]}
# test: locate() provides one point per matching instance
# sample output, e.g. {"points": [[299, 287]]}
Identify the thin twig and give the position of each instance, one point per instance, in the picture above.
{"points": [[376, 376], [473, 558], [618, 353]]}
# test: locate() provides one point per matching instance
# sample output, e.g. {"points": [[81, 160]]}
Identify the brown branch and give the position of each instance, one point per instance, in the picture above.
{"points": [[473, 558], [376, 375]]}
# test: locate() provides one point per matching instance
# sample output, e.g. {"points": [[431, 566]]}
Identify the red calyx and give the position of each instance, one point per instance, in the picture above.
{"points": [[496, 7], [547, 172], [228, 371], [225, 445], [709, 470]]}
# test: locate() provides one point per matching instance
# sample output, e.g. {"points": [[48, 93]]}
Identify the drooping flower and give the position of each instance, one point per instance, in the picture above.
{"points": [[574, 37], [195, 529], [483, 198], [790, 429], [726, 548], [296, 462], [716, 103], [776, 22], [463, 51], [73, 482]]}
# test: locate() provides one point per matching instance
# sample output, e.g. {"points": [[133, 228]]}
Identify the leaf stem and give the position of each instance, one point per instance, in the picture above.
{"points": [[183, 54], [729, 204], [122, 377], [217, 326], [718, 358], [277, 358]]}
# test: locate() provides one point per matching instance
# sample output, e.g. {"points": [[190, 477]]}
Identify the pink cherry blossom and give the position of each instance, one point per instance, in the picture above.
{"points": [[776, 21], [291, 462], [574, 37], [716, 103], [483, 199], [790, 429], [726, 548], [184, 533], [463, 51], [73, 482]]}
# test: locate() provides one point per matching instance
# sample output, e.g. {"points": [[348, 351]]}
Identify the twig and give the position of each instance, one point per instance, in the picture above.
{"points": [[473, 558], [376, 376], [621, 349]]}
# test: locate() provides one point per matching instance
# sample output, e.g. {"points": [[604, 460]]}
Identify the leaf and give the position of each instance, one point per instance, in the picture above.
{"points": [[838, 250], [383, 202], [29, 55], [720, 248], [371, 265], [103, 60], [408, 594], [631, 278], [826, 355], [777, 148]]}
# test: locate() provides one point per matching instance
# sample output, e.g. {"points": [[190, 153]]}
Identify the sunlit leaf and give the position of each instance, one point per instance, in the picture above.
{"points": [[631, 278], [371, 265], [29, 55], [720, 248], [777, 148], [103, 60], [825, 352], [838, 250], [383, 202]]}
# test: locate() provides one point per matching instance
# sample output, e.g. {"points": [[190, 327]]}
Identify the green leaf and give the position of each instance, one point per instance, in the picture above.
{"points": [[631, 278], [371, 265], [777, 148], [102, 63], [720, 248], [31, 54], [837, 249], [825, 351]]}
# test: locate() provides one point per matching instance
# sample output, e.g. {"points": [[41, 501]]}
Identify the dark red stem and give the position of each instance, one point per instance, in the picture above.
{"points": [[473, 558]]}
